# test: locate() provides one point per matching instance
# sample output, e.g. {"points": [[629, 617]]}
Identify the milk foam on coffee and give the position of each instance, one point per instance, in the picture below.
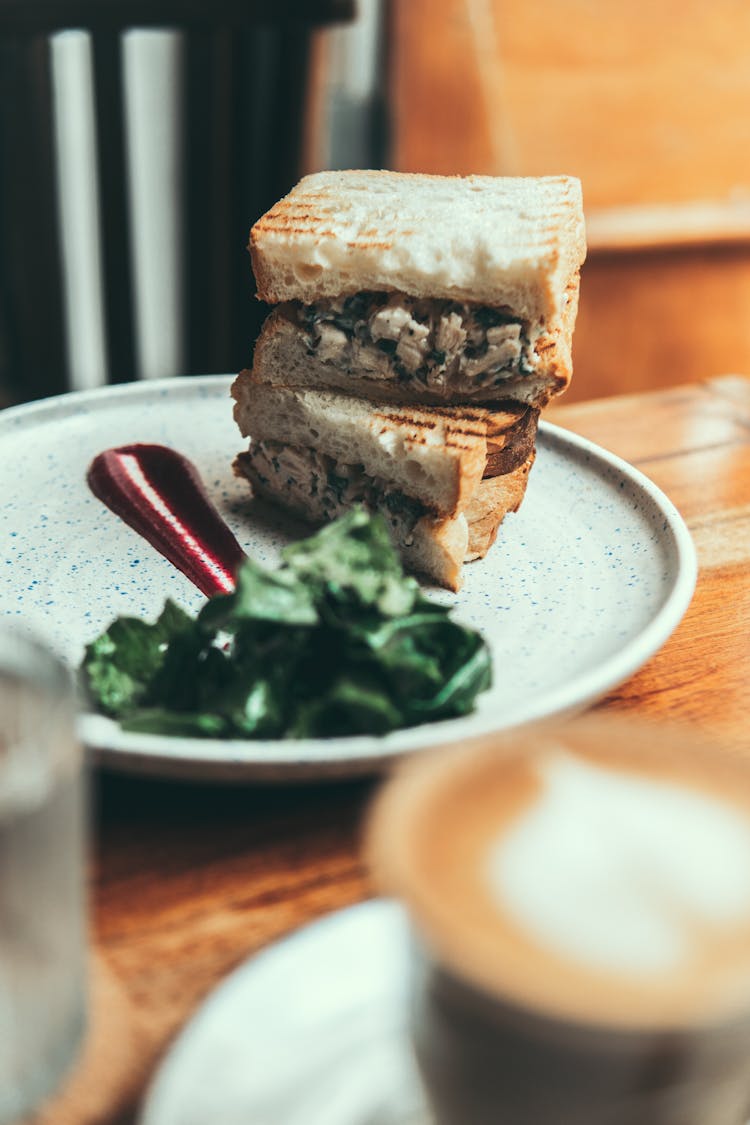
{"points": [[598, 873], [621, 872]]}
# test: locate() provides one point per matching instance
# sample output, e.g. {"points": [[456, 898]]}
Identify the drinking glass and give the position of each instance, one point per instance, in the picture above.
{"points": [[42, 896]]}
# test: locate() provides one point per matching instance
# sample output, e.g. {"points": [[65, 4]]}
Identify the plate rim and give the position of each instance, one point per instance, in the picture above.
{"points": [[295, 760]]}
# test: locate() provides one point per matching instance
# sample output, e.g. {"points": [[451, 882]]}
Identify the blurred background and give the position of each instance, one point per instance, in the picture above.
{"points": [[140, 140]]}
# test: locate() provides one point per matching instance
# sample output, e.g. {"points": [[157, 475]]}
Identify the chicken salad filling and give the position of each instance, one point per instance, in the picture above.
{"points": [[446, 345], [316, 484]]}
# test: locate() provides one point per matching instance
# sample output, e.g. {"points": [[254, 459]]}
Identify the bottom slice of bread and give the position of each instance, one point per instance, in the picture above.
{"points": [[494, 498], [320, 490]]}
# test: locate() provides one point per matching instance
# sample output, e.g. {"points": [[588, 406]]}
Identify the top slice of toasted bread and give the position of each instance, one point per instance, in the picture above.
{"points": [[501, 241]]}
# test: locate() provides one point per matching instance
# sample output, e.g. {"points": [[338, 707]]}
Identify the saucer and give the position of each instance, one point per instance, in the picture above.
{"points": [[312, 1031]]}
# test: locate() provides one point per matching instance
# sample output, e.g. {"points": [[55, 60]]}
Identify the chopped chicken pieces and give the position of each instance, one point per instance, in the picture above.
{"points": [[446, 345]]}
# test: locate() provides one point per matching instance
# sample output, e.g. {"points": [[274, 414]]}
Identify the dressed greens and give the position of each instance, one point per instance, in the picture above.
{"points": [[337, 641]]}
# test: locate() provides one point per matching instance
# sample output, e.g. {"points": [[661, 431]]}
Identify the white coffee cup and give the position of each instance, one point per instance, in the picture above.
{"points": [[580, 902]]}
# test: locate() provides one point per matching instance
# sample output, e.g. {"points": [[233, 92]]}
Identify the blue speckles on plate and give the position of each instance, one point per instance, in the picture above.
{"points": [[585, 582]]}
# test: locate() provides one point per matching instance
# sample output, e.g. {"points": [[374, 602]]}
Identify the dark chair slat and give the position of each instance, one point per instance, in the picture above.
{"points": [[290, 95], [209, 148], [245, 100], [113, 193], [273, 104], [260, 177], [49, 15], [33, 352]]}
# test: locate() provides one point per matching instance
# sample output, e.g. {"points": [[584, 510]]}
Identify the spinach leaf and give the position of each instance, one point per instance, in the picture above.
{"points": [[353, 560], [337, 641], [261, 595], [121, 662]]}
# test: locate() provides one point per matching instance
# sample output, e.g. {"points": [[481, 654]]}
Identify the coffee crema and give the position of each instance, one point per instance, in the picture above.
{"points": [[599, 873]]}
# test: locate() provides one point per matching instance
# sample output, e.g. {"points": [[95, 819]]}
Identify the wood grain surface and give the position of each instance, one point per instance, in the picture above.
{"points": [[649, 104], [188, 880], [645, 102], [653, 318]]}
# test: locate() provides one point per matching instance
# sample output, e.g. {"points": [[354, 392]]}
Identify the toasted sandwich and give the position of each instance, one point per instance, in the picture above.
{"points": [[443, 478], [416, 288]]}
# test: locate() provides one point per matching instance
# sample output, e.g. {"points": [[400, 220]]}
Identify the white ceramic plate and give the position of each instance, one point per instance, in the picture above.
{"points": [[585, 583], [310, 1032]]}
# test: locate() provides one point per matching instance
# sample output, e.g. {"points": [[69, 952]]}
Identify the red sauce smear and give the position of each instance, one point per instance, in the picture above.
{"points": [[159, 493]]}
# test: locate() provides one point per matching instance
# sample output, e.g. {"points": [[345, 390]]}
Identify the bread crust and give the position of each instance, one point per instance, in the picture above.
{"points": [[493, 500], [506, 452], [438, 549], [502, 241]]}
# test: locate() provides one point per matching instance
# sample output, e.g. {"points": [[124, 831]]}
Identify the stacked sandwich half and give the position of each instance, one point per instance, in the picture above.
{"points": [[420, 324]]}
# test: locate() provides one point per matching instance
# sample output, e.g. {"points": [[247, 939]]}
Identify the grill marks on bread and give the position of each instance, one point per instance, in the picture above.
{"points": [[513, 241], [437, 455], [510, 436], [294, 216]]}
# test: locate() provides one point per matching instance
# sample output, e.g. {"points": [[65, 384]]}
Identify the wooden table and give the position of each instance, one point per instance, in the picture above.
{"points": [[188, 880]]}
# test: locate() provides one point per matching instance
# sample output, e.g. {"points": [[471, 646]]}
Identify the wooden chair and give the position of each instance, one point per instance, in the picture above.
{"points": [[243, 81]]}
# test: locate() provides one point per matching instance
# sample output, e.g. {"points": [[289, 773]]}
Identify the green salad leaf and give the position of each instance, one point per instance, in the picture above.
{"points": [[337, 641]]}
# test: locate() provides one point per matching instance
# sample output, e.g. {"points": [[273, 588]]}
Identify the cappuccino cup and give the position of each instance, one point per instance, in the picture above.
{"points": [[579, 899]]}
